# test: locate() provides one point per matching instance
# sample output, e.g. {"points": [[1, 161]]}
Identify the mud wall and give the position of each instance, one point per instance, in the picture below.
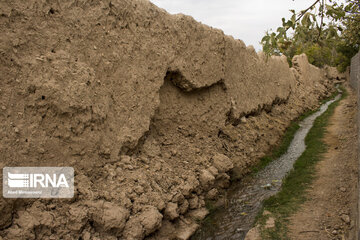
{"points": [[355, 71], [354, 82], [154, 112]]}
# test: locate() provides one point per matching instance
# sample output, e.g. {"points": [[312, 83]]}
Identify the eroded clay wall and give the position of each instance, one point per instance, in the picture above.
{"points": [[355, 71], [153, 111]]}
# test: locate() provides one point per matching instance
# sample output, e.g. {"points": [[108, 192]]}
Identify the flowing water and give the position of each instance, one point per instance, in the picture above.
{"points": [[244, 199]]}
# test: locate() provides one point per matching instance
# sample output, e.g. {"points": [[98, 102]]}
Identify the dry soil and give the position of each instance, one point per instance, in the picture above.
{"points": [[330, 211]]}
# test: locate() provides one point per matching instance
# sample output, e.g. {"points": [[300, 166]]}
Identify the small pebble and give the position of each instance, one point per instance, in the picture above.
{"points": [[243, 120], [129, 167], [345, 218]]}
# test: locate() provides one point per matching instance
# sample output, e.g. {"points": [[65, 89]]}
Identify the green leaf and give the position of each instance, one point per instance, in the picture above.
{"points": [[293, 19], [280, 29], [289, 24], [306, 20], [265, 38]]}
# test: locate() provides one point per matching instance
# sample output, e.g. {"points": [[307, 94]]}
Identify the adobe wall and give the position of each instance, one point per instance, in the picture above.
{"points": [[153, 111]]}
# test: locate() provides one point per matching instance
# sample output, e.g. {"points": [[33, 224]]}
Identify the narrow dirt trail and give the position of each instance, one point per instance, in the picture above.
{"points": [[330, 209]]}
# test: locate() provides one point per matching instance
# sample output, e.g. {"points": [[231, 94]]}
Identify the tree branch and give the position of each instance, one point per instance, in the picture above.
{"points": [[322, 18], [303, 13]]}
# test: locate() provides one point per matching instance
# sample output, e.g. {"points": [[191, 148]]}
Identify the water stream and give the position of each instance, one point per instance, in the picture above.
{"points": [[244, 199]]}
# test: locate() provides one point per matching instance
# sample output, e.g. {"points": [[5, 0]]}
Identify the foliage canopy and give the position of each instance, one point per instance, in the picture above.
{"points": [[328, 32]]}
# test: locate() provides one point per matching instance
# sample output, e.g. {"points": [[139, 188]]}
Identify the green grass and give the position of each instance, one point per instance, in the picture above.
{"points": [[287, 138], [292, 193], [280, 149]]}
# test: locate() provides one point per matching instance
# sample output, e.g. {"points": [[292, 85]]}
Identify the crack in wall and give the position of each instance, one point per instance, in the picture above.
{"points": [[178, 79], [234, 120], [180, 82]]}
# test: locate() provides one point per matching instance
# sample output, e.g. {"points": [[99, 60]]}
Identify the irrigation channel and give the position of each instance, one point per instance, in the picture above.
{"points": [[244, 199]]}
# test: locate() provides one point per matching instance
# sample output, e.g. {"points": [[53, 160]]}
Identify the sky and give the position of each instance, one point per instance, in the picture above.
{"points": [[247, 20]]}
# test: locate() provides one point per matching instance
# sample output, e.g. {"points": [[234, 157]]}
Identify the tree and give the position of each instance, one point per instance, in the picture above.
{"points": [[328, 32]]}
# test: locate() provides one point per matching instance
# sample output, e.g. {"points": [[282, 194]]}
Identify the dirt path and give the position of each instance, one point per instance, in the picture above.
{"points": [[330, 210]]}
